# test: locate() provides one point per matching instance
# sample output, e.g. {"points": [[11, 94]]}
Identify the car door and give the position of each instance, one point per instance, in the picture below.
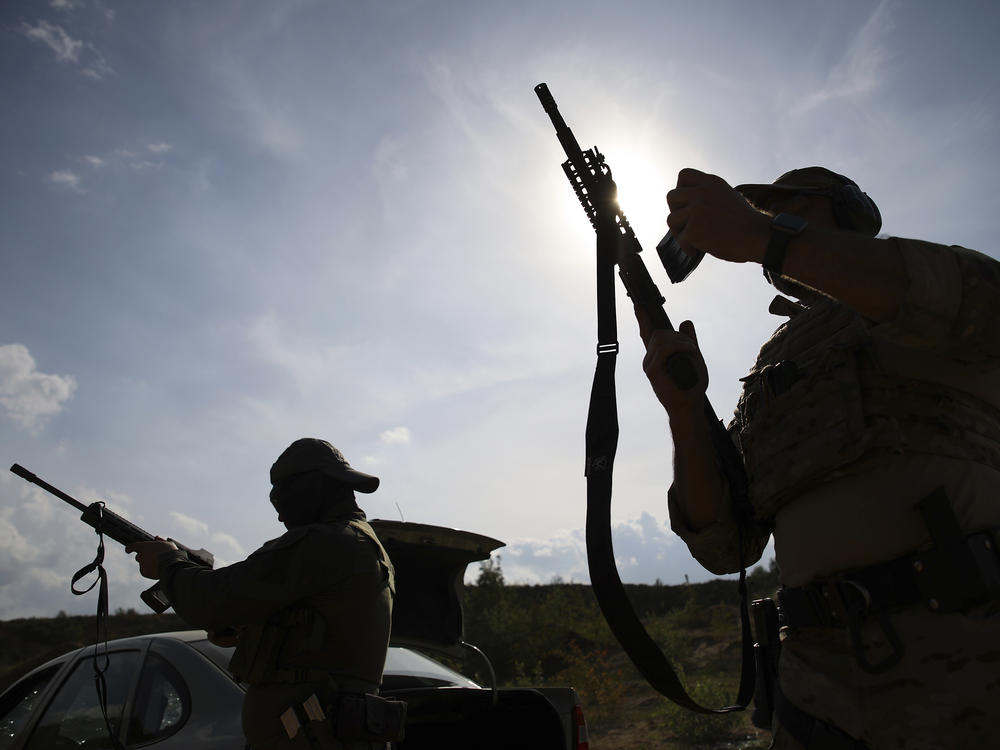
{"points": [[73, 718], [161, 694], [20, 702]]}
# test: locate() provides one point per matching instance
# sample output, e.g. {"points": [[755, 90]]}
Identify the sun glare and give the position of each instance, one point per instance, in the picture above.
{"points": [[642, 189]]}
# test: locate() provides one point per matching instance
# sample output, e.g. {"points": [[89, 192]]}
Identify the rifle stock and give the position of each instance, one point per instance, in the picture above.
{"points": [[124, 532]]}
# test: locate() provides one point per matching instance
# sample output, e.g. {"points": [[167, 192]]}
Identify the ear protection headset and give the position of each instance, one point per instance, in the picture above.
{"points": [[852, 208]]}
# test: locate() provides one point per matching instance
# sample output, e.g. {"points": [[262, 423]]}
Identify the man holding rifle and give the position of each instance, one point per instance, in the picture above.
{"points": [[311, 609], [870, 431]]}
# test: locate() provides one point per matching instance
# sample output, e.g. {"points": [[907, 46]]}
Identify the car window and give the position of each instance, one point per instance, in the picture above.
{"points": [[218, 655], [74, 716], [162, 702], [18, 703]]}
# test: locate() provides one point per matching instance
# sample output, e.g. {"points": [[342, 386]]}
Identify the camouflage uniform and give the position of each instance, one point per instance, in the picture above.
{"points": [[312, 609], [839, 446]]}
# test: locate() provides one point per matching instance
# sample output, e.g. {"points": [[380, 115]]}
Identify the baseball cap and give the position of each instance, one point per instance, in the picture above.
{"points": [[852, 207], [313, 454]]}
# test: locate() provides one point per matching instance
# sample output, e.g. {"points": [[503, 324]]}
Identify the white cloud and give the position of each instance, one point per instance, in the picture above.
{"points": [[195, 533], [55, 38], [66, 48], [97, 67], [28, 396], [94, 161], [190, 526], [42, 543], [67, 179], [226, 546], [862, 68], [645, 551], [159, 148], [396, 436]]}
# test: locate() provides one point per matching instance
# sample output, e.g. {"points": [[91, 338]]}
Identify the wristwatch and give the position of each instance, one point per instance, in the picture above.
{"points": [[783, 228]]}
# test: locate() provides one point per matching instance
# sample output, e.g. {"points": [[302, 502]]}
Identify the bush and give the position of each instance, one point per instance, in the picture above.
{"points": [[599, 684], [695, 729]]}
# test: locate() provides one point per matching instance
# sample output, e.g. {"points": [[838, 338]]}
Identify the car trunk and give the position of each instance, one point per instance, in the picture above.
{"points": [[430, 563]]}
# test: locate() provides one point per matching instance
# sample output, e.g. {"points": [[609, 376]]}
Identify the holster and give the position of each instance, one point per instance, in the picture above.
{"points": [[369, 717], [766, 648]]}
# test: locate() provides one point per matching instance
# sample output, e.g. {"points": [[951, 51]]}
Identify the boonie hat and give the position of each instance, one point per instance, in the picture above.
{"points": [[853, 208], [313, 454]]}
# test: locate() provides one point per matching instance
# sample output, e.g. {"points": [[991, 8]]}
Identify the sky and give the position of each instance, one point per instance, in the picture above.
{"points": [[228, 225]]}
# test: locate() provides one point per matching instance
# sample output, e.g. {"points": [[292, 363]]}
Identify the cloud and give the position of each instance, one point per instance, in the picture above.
{"points": [[159, 148], [97, 68], [28, 396], [646, 551], [42, 543], [55, 38], [862, 68], [196, 533], [191, 526], [226, 547], [396, 436], [94, 161], [67, 49], [65, 178]]}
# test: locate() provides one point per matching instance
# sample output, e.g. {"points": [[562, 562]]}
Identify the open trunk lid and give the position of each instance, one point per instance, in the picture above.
{"points": [[430, 563]]}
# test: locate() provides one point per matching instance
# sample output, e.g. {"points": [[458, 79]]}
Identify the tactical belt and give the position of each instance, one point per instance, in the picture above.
{"points": [[928, 577], [346, 717]]}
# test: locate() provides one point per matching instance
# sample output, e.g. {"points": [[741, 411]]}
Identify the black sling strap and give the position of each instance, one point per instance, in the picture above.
{"points": [[602, 443], [102, 622]]}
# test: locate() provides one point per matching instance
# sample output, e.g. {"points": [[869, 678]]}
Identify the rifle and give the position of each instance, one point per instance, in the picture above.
{"points": [[122, 531], [591, 179]]}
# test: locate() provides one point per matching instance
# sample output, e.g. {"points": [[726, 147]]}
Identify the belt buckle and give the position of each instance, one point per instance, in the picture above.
{"points": [[841, 596]]}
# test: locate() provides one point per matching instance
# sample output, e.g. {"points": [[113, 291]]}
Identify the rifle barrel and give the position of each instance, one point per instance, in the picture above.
{"points": [[563, 133], [27, 475]]}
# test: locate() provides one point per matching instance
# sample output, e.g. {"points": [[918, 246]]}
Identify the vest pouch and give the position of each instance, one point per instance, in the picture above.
{"points": [[256, 653], [793, 432]]}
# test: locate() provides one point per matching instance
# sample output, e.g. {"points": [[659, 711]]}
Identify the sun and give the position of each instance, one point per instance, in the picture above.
{"points": [[642, 188]]}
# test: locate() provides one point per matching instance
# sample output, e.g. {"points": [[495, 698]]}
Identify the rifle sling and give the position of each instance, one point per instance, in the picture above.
{"points": [[601, 445]]}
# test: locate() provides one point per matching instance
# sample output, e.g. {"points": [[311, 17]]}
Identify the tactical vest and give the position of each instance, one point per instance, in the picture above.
{"points": [[280, 649], [817, 407]]}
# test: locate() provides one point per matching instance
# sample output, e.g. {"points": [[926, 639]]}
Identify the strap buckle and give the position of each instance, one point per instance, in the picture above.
{"points": [[607, 348]]}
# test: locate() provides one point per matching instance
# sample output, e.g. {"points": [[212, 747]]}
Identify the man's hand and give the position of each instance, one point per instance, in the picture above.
{"points": [[147, 554], [707, 214], [660, 346]]}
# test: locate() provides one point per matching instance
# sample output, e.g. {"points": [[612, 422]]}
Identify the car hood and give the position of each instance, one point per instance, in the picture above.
{"points": [[430, 563]]}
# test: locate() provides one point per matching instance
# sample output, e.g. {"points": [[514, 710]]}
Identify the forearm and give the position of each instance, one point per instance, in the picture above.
{"points": [[238, 594], [699, 486], [865, 273]]}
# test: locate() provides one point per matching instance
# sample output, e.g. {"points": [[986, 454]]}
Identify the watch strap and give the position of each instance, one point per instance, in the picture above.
{"points": [[783, 228]]}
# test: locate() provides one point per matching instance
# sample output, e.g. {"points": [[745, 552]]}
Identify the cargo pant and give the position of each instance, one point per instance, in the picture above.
{"points": [[944, 692]]}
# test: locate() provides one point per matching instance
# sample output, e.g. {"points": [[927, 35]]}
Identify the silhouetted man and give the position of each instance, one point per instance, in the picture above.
{"points": [[882, 387], [311, 609]]}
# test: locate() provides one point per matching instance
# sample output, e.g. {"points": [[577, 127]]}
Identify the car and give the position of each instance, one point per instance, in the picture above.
{"points": [[170, 691]]}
